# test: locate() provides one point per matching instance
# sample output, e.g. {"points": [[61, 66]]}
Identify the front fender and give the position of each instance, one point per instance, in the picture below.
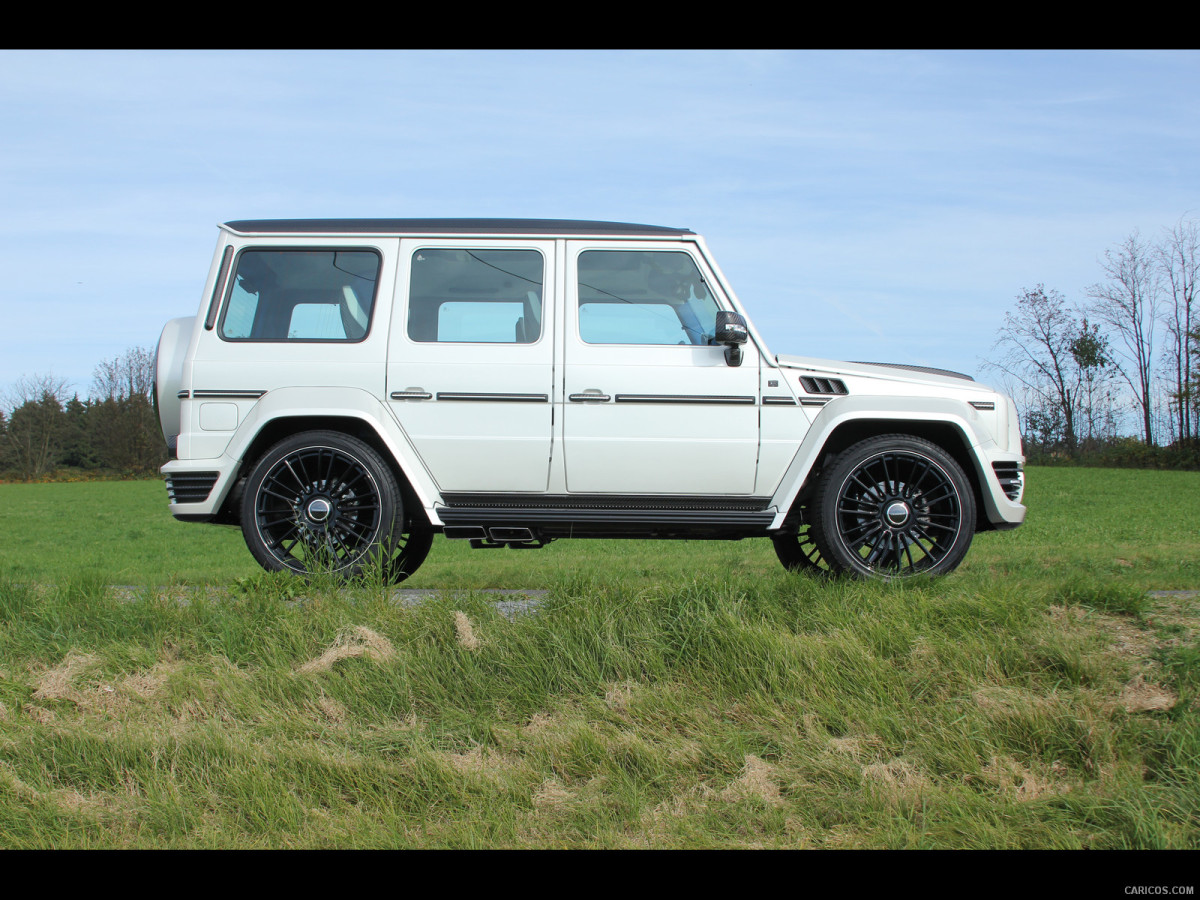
{"points": [[883, 415]]}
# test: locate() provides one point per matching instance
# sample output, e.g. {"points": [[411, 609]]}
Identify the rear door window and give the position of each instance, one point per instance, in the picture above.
{"points": [[475, 296]]}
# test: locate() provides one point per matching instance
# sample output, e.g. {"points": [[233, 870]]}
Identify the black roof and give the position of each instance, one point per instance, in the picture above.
{"points": [[447, 226]]}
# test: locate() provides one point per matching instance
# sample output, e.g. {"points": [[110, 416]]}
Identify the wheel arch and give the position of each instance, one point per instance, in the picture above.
{"points": [[280, 427], [950, 432]]}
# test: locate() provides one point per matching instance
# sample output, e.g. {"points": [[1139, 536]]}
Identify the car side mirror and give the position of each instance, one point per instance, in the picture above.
{"points": [[731, 331]]}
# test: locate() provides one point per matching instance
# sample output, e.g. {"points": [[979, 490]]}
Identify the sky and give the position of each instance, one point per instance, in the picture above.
{"points": [[864, 205]]}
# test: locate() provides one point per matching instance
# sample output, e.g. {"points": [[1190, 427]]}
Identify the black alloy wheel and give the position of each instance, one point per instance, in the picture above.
{"points": [[894, 506], [799, 553], [323, 501]]}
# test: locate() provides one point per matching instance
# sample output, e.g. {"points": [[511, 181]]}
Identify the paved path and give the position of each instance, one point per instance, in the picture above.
{"points": [[515, 601], [508, 602]]}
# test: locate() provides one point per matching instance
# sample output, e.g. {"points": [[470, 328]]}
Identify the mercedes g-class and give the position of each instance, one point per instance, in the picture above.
{"points": [[350, 387]]}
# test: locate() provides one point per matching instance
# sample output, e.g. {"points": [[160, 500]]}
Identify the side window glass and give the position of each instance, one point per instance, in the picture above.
{"points": [[316, 322], [476, 296], [301, 295], [239, 314], [643, 297], [630, 323]]}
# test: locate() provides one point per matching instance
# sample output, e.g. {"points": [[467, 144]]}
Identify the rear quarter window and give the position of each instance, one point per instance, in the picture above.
{"points": [[301, 295]]}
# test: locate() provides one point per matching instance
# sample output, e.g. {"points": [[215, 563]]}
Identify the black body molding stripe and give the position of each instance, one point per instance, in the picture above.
{"points": [[227, 395], [502, 398], [713, 399]]}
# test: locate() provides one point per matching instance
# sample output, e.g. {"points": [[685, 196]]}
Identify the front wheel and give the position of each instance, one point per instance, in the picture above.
{"points": [[894, 506], [323, 501]]}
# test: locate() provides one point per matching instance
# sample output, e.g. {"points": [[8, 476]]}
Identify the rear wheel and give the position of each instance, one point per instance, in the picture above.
{"points": [[894, 506], [323, 501]]}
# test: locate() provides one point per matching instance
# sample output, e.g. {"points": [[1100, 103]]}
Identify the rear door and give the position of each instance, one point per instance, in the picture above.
{"points": [[470, 361]]}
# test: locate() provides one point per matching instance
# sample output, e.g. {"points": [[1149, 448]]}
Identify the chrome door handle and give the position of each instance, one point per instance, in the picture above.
{"points": [[595, 397], [413, 394]]}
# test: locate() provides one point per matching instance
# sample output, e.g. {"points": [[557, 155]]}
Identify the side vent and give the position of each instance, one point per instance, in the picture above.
{"points": [[192, 487], [1012, 481], [823, 385]]}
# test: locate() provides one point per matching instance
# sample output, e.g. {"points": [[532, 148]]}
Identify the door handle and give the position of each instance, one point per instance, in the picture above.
{"points": [[589, 396], [411, 394]]}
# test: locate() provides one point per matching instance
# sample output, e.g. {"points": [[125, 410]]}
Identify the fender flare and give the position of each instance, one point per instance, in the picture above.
{"points": [[326, 403], [902, 411]]}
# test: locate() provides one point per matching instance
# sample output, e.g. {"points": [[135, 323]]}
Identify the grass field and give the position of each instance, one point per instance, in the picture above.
{"points": [[663, 694], [1130, 527]]}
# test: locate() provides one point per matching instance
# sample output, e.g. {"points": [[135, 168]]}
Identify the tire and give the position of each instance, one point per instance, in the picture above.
{"points": [[799, 553], [323, 501], [410, 552], [894, 506]]}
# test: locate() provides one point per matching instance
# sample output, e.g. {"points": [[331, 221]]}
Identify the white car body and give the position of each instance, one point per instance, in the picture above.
{"points": [[550, 435]]}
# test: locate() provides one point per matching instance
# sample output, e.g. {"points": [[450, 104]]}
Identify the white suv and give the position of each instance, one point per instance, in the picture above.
{"points": [[350, 387]]}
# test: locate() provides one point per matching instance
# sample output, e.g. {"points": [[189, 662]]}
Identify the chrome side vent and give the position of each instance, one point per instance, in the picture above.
{"points": [[1012, 479], [823, 385], [190, 487]]}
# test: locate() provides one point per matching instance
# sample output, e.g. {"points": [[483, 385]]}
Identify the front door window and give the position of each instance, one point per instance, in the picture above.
{"points": [[643, 297]]}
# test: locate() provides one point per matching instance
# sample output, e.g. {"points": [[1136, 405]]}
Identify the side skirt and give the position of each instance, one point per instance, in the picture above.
{"points": [[517, 518]]}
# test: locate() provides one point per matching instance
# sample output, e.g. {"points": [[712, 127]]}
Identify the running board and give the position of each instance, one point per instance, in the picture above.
{"points": [[516, 525]]}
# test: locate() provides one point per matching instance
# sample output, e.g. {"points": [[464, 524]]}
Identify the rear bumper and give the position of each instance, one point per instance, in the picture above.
{"points": [[196, 488]]}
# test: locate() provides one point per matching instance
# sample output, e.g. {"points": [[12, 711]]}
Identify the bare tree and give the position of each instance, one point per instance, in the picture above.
{"points": [[1128, 301], [125, 376], [1194, 385], [1038, 346], [1179, 261]]}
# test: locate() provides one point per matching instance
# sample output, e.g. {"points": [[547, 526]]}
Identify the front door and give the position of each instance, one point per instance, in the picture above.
{"points": [[650, 405]]}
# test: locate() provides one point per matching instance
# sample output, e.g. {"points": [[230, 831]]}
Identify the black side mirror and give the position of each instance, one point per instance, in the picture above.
{"points": [[731, 331], [730, 328]]}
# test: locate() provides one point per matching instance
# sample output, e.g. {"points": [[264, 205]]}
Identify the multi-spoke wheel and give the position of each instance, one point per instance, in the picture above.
{"points": [[323, 501], [799, 553], [893, 506]]}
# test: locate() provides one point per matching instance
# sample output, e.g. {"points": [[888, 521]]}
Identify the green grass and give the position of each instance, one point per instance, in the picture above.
{"points": [[666, 694], [1126, 527]]}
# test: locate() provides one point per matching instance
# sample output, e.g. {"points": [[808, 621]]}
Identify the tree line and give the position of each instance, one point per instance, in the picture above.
{"points": [[1113, 378], [44, 429]]}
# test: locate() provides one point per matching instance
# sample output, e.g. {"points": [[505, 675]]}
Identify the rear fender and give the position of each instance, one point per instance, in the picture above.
{"points": [[290, 410]]}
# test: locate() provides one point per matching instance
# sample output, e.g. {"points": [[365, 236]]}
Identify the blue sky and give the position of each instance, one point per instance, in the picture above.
{"points": [[882, 205]]}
